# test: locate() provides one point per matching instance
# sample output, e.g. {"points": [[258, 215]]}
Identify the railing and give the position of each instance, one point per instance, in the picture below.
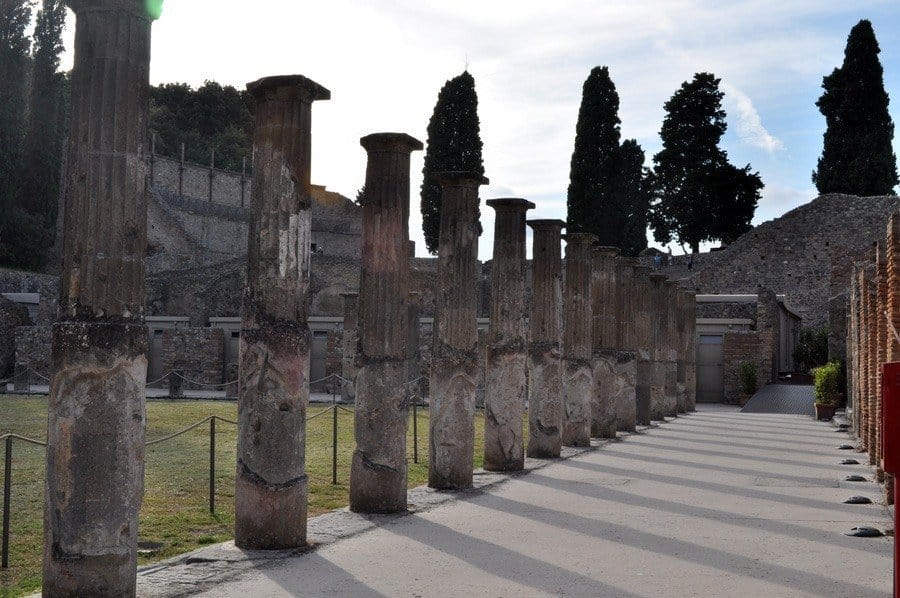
{"points": [[412, 399]]}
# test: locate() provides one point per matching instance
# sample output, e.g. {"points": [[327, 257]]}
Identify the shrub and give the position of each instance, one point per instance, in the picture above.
{"points": [[828, 382], [812, 349], [748, 378]]}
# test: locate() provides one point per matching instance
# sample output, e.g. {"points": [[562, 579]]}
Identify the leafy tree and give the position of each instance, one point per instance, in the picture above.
{"points": [[857, 157], [454, 144], [697, 194], [15, 16], [212, 117], [635, 198]]}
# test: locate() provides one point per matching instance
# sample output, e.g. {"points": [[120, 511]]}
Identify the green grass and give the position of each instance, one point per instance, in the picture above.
{"points": [[176, 500]]}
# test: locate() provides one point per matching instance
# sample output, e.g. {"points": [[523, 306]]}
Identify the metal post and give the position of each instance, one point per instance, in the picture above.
{"points": [[415, 432], [334, 440], [212, 465], [7, 490]]}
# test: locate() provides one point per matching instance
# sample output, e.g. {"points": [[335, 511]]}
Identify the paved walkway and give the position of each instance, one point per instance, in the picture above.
{"points": [[718, 503], [787, 399]]}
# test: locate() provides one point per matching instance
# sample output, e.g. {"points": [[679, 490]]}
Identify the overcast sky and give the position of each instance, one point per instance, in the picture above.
{"points": [[385, 61]]}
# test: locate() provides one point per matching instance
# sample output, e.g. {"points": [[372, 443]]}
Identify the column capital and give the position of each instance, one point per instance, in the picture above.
{"points": [[288, 87], [148, 9], [459, 178], [398, 142], [580, 238], [510, 204], [546, 225]]}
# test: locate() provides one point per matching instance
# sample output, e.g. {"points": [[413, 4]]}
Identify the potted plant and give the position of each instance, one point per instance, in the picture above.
{"points": [[827, 389], [748, 381]]}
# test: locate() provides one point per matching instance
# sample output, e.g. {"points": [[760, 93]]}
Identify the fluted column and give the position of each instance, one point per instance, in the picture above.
{"points": [[658, 404], [545, 403], [670, 306], [349, 346], [605, 305], [576, 345], [505, 378], [643, 343], [96, 420], [455, 356], [624, 390], [689, 314], [378, 470], [271, 486]]}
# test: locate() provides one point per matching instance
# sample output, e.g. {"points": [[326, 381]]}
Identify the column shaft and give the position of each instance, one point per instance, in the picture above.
{"points": [[624, 389], [604, 358], [671, 343], [658, 400], [643, 342], [576, 346]]}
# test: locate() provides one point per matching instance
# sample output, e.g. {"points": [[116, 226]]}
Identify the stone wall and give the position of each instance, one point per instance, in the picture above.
{"points": [[741, 347], [198, 353], [33, 353]]}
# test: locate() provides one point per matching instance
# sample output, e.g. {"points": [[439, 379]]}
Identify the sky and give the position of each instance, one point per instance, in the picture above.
{"points": [[385, 61]]}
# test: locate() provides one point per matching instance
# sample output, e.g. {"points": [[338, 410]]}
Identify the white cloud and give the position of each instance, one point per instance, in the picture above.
{"points": [[750, 128]]}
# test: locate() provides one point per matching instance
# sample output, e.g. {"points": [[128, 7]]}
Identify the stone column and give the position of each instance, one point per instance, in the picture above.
{"points": [[349, 345], [96, 422], [658, 404], [271, 485], [378, 470], [671, 347], [881, 342], [506, 382], [576, 345], [863, 278], [874, 373], [689, 308], [545, 403], [624, 391], [604, 304], [643, 343], [455, 356]]}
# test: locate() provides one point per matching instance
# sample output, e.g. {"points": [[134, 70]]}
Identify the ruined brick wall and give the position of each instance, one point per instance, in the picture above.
{"points": [[199, 353], [746, 346]]}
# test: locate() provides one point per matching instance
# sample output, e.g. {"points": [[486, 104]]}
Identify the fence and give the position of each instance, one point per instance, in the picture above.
{"points": [[332, 382]]}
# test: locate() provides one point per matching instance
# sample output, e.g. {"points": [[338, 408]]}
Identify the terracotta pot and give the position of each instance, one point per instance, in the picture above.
{"points": [[824, 412]]}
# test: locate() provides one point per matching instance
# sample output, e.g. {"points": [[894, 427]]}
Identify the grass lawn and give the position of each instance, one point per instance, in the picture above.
{"points": [[176, 501]]}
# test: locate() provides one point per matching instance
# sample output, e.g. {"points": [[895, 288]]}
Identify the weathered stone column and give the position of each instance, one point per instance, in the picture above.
{"points": [[659, 407], [881, 342], [96, 422], [874, 373], [271, 485], [455, 356], [670, 292], [545, 401], [863, 277], [378, 470], [689, 312], [643, 318], [576, 345], [506, 382], [349, 346], [624, 389], [605, 307]]}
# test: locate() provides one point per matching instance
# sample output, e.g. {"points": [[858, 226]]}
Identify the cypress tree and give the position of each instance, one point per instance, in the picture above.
{"points": [[857, 156], [594, 169], [15, 16], [635, 198], [698, 195], [454, 144]]}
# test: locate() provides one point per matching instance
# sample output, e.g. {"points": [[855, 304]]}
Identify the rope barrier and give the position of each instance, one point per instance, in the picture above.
{"points": [[23, 439], [177, 434]]}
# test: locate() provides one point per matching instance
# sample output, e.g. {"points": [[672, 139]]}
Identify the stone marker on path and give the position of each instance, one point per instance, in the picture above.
{"points": [[378, 472], [455, 356], [506, 383], [545, 401], [605, 312], [576, 344], [271, 485], [96, 421]]}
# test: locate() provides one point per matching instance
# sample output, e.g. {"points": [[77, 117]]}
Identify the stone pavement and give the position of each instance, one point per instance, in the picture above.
{"points": [[716, 503], [787, 399]]}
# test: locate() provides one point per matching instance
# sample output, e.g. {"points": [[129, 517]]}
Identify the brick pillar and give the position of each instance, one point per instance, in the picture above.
{"points": [[892, 250], [863, 427], [872, 333], [881, 340], [378, 471], [659, 407], [455, 357], [851, 348], [605, 308], [576, 345], [643, 343], [349, 342], [96, 423], [624, 389], [505, 377], [271, 485], [545, 404]]}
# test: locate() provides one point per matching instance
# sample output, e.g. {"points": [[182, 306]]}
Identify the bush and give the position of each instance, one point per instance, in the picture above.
{"points": [[828, 383], [811, 350], [748, 378]]}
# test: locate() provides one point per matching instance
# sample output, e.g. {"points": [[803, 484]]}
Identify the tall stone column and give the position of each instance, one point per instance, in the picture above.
{"points": [[349, 346], [378, 470], [659, 407], [874, 373], [689, 313], [605, 307], [863, 277], [881, 342], [271, 485], [455, 356], [545, 402], [643, 319], [96, 422], [624, 390], [670, 292], [576, 345], [506, 383]]}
